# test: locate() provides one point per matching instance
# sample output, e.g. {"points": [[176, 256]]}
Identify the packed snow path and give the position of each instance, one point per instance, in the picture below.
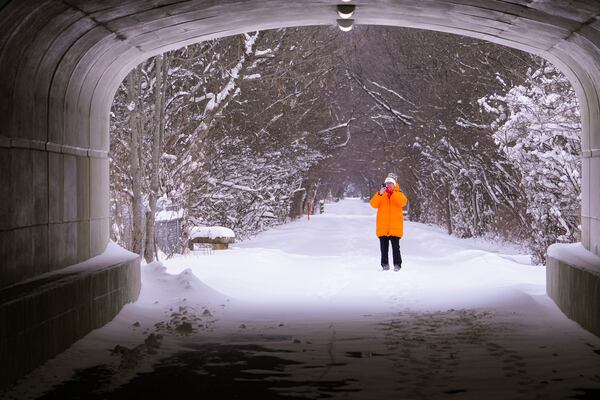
{"points": [[305, 311]]}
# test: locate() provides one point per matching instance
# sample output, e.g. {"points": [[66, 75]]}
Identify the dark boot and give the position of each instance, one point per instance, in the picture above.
{"points": [[385, 267], [397, 267]]}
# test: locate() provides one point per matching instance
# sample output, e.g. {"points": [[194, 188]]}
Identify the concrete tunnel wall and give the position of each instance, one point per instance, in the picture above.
{"points": [[60, 65]]}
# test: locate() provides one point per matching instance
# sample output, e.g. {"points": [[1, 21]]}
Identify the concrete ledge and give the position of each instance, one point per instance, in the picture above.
{"points": [[573, 282], [41, 317]]}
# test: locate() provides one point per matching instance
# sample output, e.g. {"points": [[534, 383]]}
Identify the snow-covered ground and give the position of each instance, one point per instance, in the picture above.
{"points": [[331, 263], [305, 310]]}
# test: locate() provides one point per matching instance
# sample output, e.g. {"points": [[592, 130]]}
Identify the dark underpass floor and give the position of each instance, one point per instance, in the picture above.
{"points": [[454, 354]]}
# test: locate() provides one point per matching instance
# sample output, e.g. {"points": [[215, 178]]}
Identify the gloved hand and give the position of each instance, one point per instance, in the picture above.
{"points": [[381, 190]]}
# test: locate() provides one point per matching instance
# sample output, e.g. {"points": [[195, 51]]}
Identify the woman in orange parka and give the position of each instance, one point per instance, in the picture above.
{"points": [[390, 222]]}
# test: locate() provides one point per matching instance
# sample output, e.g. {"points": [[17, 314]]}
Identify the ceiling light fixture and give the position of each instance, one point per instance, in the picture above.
{"points": [[345, 25]]}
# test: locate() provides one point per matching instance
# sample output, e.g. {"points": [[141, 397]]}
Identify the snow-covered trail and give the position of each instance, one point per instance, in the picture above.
{"points": [[332, 262], [304, 310]]}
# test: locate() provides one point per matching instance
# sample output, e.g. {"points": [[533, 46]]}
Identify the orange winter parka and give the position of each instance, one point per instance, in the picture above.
{"points": [[390, 221]]}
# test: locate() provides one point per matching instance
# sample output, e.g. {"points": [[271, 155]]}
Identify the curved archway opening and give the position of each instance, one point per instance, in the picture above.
{"points": [[403, 287], [62, 63]]}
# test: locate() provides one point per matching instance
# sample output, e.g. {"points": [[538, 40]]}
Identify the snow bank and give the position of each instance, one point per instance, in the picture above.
{"points": [[162, 287]]}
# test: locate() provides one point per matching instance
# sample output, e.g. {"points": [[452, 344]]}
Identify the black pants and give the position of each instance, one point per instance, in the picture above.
{"points": [[384, 244]]}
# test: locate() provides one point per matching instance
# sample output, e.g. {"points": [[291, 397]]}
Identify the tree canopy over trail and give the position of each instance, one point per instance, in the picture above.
{"points": [[247, 131]]}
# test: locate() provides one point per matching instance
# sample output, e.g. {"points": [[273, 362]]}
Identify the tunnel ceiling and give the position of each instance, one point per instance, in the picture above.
{"points": [[78, 51]]}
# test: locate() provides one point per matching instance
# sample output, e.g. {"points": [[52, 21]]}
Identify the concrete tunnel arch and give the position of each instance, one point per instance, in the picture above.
{"points": [[60, 65]]}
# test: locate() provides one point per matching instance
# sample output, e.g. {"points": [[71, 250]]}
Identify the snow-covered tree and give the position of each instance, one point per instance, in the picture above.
{"points": [[222, 130], [538, 130]]}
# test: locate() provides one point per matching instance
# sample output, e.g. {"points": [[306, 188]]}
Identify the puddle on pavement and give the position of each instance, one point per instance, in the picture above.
{"points": [[207, 371]]}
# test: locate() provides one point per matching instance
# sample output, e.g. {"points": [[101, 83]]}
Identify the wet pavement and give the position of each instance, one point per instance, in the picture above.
{"points": [[454, 354]]}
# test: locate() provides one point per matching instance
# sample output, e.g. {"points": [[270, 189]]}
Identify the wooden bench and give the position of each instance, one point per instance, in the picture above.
{"points": [[217, 236], [218, 243]]}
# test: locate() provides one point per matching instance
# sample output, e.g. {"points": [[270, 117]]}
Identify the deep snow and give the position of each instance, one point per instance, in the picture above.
{"points": [[463, 318]]}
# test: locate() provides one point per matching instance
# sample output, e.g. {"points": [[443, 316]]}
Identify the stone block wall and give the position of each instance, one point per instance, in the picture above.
{"points": [[42, 317], [49, 220]]}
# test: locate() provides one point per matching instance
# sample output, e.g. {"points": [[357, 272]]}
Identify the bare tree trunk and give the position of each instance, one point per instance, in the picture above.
{"points": [[150, 248], [135, 161], [475, 207], [297, 203], [449, 210]]}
